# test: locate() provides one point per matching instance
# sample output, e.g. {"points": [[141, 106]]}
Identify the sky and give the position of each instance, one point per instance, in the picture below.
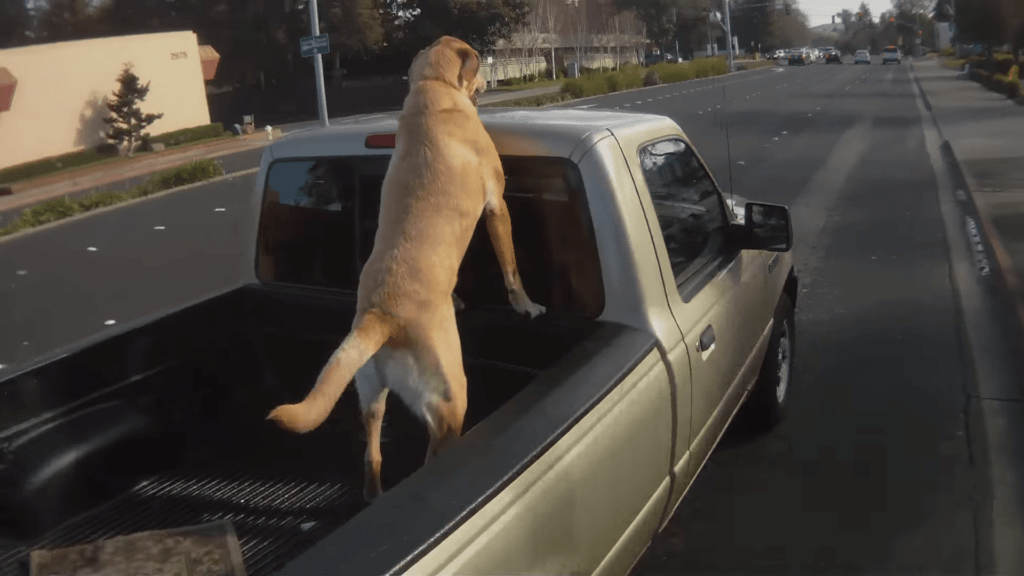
{"points": [[821, 11]]}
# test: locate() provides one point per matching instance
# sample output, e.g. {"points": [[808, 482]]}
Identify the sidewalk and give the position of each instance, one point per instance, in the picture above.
{"points": [[45, 187], [985, 132]]}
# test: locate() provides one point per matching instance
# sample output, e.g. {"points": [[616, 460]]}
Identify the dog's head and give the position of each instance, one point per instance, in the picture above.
{"points": [[451, 61]]}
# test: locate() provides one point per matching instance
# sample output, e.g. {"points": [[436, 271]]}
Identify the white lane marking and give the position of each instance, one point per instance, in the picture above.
{"points": [[648, 99], [784, 132], [776, 138], [639, 102], [741, 162], [110, 322], [808, 114], [626, 104], [158, 227], [91, 248], [2, 366], [218, 209], [21, 272], [586, 106], [848, 87], [24, 343]]}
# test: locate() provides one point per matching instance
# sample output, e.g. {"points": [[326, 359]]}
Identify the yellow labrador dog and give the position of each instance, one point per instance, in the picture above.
{"points": [[445, 172]]}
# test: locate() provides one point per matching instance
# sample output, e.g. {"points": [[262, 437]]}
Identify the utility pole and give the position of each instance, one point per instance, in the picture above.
{"points": [[318, 65], [728, 33]]}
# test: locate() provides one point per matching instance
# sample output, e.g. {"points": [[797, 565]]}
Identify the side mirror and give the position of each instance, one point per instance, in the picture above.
{"points": [[765, 227]]}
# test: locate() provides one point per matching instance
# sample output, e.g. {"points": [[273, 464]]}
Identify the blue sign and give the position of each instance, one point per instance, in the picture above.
{"points": [[311, 45]]}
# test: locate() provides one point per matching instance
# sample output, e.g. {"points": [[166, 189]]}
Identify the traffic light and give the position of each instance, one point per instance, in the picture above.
{"points": [[786, 5], [891, 19], [860, 16], [833, 18]]}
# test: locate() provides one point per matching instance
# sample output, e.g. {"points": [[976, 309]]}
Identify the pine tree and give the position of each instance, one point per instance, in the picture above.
{"points": [[128, 121]]}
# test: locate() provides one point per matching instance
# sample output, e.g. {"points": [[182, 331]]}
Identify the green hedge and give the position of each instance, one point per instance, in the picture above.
{"points": [[61, 208], [1007, 83], [186, 135], [49, 165], [632, 76]]}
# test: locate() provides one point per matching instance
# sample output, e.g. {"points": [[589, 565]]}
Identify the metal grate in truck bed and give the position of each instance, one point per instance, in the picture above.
{"points": [[276, 519]]}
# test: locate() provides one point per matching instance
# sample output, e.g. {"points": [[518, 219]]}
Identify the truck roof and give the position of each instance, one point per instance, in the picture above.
{"points": [[515, 131]]}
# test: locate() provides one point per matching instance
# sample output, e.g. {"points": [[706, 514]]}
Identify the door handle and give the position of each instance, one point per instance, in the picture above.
{"points": [[707, 339]]}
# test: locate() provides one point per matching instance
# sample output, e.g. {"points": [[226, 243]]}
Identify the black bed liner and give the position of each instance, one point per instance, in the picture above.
{"points": [[280, 494]]}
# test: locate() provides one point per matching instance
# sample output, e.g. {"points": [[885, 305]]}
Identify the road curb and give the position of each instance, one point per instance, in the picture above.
{"points": [[1006, 280], [28, 231]]}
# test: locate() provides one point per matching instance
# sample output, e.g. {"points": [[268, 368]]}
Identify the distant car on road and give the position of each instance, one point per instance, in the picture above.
{"points": [[833, 55], [799, 56], [862, 56], [891, 54]]}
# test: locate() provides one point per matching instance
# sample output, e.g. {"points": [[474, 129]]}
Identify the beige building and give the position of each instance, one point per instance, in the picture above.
{"points": [[58, 91]]}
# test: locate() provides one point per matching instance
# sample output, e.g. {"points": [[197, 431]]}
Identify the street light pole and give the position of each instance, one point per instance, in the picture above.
{"points": [[728, 33], [318, 65]]}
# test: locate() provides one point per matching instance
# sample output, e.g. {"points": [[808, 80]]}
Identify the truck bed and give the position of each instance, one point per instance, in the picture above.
{"points": [[189, 392]]}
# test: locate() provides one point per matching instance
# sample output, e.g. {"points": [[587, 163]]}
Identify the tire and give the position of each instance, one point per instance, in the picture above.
{"points": [[768, 401]]}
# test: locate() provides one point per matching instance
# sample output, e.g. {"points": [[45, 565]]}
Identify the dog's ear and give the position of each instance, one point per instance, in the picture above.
{"points": [[470, 66]]}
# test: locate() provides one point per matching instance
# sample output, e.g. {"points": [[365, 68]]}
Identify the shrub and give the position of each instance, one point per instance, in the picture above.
{"points": [[652, 79], [669, 73], [195, 171], [102, 199], [50, 211], [614, 82], [533, 101], [947, 52], [592, 85], [186, 135]]}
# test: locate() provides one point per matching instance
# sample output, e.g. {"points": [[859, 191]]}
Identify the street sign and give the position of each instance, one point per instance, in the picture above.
{"points": [[311, 45]]}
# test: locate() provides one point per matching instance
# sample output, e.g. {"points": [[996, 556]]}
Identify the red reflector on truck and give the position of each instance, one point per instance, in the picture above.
{"points": [[380, 141]]}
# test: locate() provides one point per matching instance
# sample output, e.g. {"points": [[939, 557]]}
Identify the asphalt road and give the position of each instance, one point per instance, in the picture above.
{"points": [[872, 472]]}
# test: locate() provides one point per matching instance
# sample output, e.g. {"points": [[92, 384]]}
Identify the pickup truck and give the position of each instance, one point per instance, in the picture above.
{"points": [[667, 316]]}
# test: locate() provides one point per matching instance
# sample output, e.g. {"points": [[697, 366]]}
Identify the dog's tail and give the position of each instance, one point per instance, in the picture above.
{"points": [[367, 336]]}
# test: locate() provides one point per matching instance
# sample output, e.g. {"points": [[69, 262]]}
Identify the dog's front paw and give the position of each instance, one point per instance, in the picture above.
{"points": [[529, 307]]}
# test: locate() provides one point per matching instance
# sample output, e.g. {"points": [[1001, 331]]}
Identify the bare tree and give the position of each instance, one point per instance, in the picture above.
{"points": [[579, 31], [550, 16]]}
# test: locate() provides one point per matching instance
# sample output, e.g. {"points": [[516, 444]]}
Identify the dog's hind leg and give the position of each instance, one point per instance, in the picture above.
{"points": [[444, 413], [372, 399]]}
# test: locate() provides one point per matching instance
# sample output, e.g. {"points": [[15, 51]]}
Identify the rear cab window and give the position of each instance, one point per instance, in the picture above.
{"points": [[319, 218]]}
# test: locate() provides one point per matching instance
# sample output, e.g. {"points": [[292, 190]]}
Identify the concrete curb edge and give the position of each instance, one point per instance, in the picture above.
{"points": [[1005, 278], [49, 225]]}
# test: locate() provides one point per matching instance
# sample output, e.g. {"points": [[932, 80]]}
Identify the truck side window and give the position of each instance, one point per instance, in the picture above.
{"points": [[687, 203]]}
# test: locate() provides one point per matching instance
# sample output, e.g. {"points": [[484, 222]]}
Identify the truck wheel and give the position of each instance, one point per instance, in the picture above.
{"points": [[768, 400]]}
